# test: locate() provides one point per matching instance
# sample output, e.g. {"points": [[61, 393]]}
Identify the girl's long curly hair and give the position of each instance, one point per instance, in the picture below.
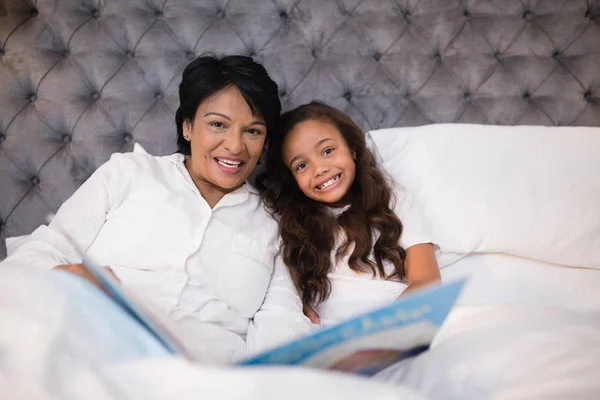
{"points": [[308, 228]]}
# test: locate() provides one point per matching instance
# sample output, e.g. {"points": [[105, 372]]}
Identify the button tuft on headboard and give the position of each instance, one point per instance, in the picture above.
{"points": [[2, 137], [528, 15], [67, 138], [526, 96], [406, 15], [95, 96], [35, 181], [95, 13], [190, 55], [34, 12], [347, 95], [283, 14], [587, 96], [1, 52], [127, 137], [33, 97], [377, 56]]}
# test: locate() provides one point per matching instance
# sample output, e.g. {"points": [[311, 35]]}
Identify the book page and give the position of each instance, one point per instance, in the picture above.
{"points": [[372, 341]]}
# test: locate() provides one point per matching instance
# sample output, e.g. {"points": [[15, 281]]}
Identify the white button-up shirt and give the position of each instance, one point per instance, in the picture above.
{"points": [[213, 270]]}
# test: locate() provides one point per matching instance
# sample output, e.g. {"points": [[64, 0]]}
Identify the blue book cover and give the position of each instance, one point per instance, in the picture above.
{"points": [[159, 326], [370, 342], [362, 345]]}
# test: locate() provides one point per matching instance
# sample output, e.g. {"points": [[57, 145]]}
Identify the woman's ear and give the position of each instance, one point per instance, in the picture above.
{"points": [[187, 129]]}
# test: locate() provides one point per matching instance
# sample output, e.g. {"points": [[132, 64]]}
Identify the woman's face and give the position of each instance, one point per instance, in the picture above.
{"points": [[226, 142]]}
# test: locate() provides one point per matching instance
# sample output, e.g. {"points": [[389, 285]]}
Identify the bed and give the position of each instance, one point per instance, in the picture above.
{"points": [[488, 112]]}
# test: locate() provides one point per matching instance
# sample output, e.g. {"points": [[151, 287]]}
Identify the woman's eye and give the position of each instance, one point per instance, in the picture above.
{"points": [[328, 151], [254, 132], [217, 124]]}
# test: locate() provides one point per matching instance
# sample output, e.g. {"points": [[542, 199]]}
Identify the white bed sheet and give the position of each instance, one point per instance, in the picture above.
{"points": [[497, 278], [522, 329], [508, 352]]}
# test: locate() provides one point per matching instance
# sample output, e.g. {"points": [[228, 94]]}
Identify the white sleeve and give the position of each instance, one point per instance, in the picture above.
{"points": [[78, 221], [416, 228], [280, 318]]}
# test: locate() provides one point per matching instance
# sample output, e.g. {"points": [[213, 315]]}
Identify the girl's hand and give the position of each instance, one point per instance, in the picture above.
{"points": [[416, 286], [311, 314]]}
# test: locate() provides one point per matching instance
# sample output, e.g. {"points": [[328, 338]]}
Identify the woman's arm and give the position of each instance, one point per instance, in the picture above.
{"points": [[75, 226], [421, 267], [280, 318]]}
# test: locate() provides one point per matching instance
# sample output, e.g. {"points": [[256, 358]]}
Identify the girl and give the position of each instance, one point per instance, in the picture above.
{"points": [[350, 240]]}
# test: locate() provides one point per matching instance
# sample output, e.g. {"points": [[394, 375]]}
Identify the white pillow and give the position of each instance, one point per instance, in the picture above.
{"points": [[138, 149], [530, 191]]}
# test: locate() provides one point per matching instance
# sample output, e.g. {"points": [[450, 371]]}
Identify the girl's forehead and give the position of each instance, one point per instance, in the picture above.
{"points": [[312, 130]]}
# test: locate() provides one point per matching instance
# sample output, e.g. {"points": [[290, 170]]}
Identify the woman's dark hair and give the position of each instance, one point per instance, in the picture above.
{"points": [[208, 74], [308, 228]]}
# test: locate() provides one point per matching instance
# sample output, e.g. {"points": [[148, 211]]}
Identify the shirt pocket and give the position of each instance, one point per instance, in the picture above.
{"points": [[253, 250], [245, 274]]}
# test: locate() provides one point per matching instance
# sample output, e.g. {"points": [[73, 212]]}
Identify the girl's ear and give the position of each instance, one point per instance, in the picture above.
{"points": [[354, 156]]}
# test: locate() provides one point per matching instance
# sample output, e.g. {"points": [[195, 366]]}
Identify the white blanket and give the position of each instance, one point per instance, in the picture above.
{"points": [[483, 352], [54, 346], [508, 352]]}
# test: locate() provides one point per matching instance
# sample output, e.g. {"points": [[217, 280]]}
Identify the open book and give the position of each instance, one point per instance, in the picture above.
{"points": [[363, 345]]}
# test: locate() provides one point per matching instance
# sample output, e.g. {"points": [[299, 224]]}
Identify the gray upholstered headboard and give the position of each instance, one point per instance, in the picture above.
{"points": [[81, 79]]}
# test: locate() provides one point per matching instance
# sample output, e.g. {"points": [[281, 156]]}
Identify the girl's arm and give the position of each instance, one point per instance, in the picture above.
{"points": [[421, 267]]}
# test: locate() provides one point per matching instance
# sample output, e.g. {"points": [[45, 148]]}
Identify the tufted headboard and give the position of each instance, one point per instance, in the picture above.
{"points": [[81, 79]]}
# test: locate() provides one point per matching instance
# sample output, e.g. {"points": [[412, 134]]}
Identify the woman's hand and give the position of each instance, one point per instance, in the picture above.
{"points": [[81, 271], [311, 313]]}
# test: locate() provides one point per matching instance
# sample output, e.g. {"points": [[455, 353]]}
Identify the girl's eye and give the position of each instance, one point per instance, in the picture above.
{"points": [[300, 166], [328, 151]]}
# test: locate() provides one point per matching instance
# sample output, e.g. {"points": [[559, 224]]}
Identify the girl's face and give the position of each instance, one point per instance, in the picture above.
{"points": [[320, 160]]}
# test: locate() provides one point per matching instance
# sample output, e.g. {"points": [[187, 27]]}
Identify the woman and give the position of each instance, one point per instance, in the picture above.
{"points": [[351, 241], [187, 230]]}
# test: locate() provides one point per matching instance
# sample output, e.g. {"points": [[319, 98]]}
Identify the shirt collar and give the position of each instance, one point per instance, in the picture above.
{"points": [[337, 211]]}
